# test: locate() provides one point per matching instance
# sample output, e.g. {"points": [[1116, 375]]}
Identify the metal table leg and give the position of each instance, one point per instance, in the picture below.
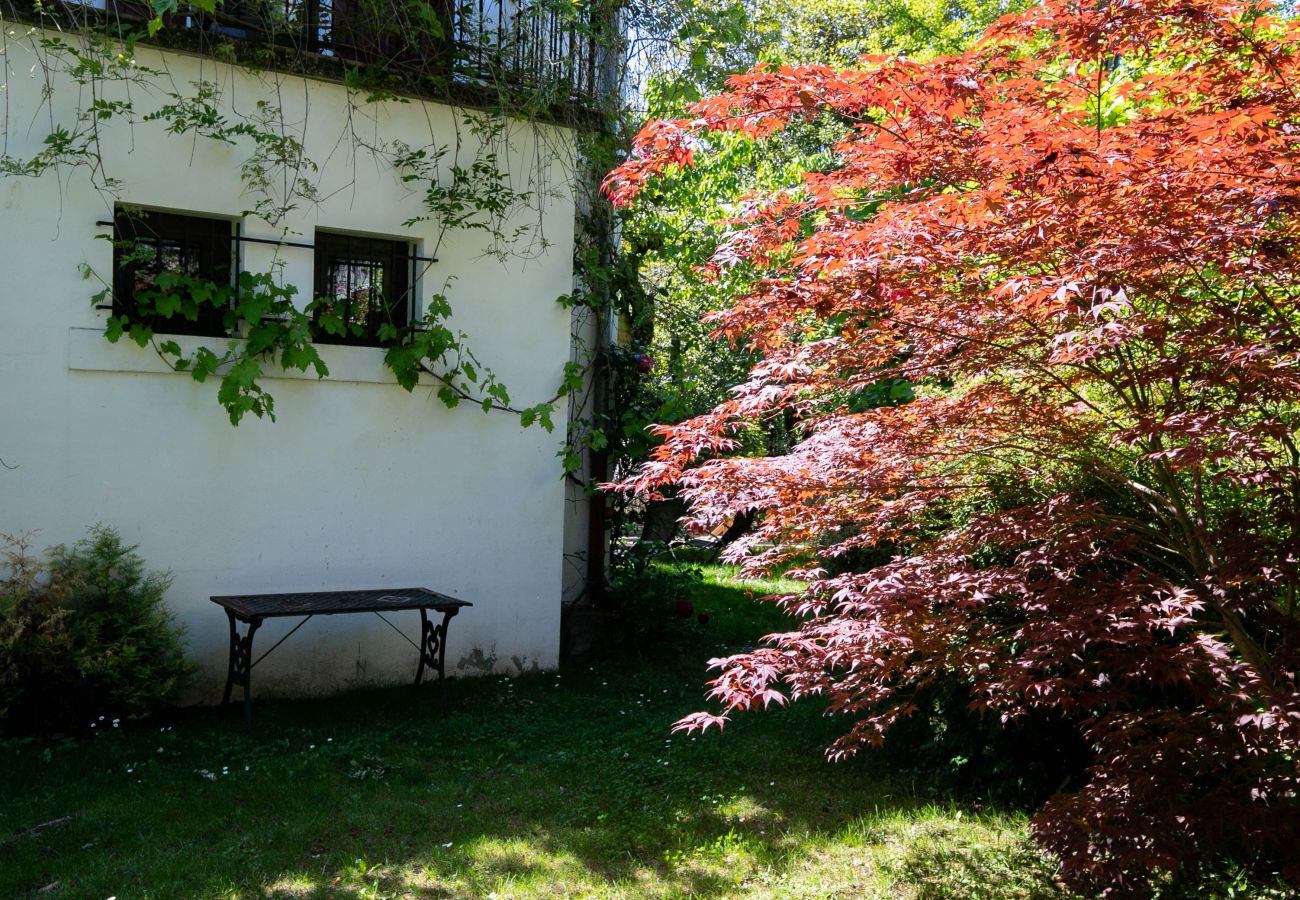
{"points": [[433, 651], [240, 666]]}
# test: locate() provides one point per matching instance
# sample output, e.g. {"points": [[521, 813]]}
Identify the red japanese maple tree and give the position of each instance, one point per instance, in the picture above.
{"points": [[1079, 242]]}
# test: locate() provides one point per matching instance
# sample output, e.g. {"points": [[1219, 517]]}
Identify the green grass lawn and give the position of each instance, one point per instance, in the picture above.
{"points": [[546, 785]]}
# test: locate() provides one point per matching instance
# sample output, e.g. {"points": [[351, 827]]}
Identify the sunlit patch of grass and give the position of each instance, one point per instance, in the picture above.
{"points": [[728, 577], [523, 790], [502, 865], [292, 885]]}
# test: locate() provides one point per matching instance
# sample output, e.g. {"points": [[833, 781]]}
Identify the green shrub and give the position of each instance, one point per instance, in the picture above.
{"points": [[969, 755], [84, 634], [654, 595]]}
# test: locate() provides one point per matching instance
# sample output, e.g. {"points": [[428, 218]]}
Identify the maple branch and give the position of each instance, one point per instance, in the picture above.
{"points": [[1034, 366]]}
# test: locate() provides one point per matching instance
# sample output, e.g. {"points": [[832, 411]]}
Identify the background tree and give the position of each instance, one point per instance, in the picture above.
{"points": [[1076, 245], [676, 368], [838, 32]]}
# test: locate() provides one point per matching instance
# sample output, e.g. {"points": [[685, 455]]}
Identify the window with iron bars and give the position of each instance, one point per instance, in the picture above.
{"points": [[147, 243], [361, 285]]}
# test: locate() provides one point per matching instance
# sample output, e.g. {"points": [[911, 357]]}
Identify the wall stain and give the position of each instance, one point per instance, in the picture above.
{"points": [[477, 661]]}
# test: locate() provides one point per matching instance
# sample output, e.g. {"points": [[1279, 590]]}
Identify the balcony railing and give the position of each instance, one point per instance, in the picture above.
{"points": [[554, 50], [535, 43]]}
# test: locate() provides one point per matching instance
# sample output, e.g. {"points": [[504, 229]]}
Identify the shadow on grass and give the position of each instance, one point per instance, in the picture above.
{"points": [[544, 785]]}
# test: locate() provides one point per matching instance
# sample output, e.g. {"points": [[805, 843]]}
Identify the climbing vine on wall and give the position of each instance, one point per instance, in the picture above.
{"points": [[383, 57]]}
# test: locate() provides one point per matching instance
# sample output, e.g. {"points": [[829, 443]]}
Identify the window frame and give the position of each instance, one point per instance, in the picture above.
{"points": [[216, 239], [397, 256]]}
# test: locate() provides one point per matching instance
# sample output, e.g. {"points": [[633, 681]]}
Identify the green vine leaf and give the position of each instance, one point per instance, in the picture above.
{"points": [[167, 304], [574, 374], [205, 362], [404, 364], [141, 334], [541, 414], [571, 462]]}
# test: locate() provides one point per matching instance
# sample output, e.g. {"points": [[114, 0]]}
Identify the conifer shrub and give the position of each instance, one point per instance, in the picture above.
{"points": [[84, 634]]}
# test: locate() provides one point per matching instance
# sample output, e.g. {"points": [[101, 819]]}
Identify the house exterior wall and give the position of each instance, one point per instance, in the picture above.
{"points": [[579, 489], [358, 483]]}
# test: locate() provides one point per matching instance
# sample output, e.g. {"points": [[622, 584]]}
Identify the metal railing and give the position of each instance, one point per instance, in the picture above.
{"points": [[539, 44], [550, 48]]}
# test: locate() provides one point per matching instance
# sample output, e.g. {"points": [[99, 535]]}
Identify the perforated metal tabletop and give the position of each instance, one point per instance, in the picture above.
{"points": [[325, 603]]}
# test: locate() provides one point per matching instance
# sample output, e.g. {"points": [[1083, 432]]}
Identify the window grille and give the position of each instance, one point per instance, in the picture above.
{"points": [[148, 243], [364, 281]]}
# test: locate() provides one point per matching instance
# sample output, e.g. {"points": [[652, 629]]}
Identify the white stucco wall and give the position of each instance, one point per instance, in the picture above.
{"points": [[358, 484]]}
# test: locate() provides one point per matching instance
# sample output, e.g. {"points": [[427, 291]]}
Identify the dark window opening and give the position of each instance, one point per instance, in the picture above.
{"points": [[146, 244], [362, 285]]}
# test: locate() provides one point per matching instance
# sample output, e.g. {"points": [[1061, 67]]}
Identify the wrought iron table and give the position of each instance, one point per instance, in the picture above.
{"points": [[253, 609]]}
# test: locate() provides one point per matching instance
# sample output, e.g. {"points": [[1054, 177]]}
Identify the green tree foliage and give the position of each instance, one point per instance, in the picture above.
{"points": [[838, 32], [671, 236]]}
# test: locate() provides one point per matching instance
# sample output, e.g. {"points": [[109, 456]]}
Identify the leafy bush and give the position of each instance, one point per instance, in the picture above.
{"points": [[84, 634], [654, 595], [960, 752]]}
